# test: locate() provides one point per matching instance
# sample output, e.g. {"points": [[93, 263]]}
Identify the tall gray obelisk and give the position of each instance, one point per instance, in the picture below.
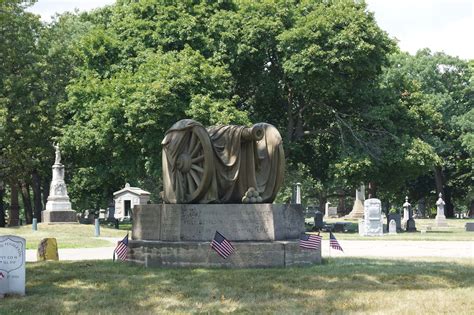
{"points": [[58, 207]]}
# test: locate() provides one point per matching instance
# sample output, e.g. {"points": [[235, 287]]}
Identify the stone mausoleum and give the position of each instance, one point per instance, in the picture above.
{"points": [[127, 198]]}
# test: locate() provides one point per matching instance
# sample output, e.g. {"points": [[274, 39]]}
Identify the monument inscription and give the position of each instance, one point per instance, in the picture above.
{"points": [[12, 265]]}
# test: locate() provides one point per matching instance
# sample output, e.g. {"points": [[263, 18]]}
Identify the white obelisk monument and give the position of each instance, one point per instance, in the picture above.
{"points": [[58, 207]]}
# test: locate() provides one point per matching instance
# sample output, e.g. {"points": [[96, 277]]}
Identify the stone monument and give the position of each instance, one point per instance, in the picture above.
{"points": [[12, 265], [223, 178], [440, 219], [330, 212], [372, 224], [58, 206], [358, 207], [408, 221]]}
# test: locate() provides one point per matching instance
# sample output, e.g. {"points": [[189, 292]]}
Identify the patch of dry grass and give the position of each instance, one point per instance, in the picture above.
{"points": [[342, 285]]}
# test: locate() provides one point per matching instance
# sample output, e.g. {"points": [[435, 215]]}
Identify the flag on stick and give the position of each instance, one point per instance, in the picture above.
{"points": [[222, 246], [310, 241], [122, 248], [334, 243]]}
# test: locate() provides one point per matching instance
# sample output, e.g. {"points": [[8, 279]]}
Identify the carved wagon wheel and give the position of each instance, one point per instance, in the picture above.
{"points": [[193, 167]]}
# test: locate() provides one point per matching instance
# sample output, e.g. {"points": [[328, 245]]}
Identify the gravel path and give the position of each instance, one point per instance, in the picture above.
{"points": [[385, 249]]}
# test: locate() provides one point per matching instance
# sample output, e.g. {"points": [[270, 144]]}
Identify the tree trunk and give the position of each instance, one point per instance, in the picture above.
{"points": [[25, 196], [323, 198], [341, 206], [14, 213], [38, 205], [290, 126], [372, 190], [2, 205], [438, 174], [449, 208], [471, 210], [45, 185]]}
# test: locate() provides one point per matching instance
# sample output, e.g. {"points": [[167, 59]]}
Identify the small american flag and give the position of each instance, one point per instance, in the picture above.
{"points": [[222, 246], [310, 241], [334, 243], [122, 248]]}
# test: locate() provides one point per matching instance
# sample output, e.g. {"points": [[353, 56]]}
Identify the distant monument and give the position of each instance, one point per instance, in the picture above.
{"points": [[372, 224], [408, 222], [220, 178], [440, 219], [358, 208], [58, 206]]}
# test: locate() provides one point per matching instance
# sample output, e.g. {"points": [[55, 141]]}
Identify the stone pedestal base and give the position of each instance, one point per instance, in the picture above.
{"points": [[199, 254], [59, 216], [440, 221], [179, 235], [199, 222]]}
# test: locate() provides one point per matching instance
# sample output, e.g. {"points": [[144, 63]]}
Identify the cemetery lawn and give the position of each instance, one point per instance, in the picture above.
{"points": [[454, 232], [67, 235], [342, 285]]}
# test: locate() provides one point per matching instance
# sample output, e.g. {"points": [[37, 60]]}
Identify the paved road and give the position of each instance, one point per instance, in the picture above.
{"points": [[399, 249], [386, 249]]}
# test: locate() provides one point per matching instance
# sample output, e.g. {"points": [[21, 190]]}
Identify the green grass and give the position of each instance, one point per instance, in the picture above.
{"points": [[454, 232], [341, 285], [67, 235]]}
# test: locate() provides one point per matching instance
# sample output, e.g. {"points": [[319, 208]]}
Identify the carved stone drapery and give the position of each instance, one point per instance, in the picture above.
{"points": [[221, 163]]}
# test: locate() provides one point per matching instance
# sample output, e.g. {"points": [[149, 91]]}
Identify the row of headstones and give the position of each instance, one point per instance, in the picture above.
{"points": [[372, 224]]}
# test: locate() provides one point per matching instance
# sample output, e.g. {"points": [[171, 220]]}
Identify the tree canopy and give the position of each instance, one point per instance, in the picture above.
{"points": [[350, 106]]}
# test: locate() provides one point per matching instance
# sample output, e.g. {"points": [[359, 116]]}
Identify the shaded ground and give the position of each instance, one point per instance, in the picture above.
{"points": [[340, 285]]}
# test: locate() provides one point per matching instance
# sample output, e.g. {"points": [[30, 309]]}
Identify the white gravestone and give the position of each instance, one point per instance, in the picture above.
{"points": [[440, 219], [12, 265], [298, 194], [330, 212], [392, 227], [372, 224]]}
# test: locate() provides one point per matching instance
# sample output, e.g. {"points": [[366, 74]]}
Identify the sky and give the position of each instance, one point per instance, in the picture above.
{"points": [[441, 25]]}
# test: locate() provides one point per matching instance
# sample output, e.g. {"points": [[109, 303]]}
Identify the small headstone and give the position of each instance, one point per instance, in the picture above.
{"points": [[48, 250], [423, 231], [470, 227], [318, 220], [408, 221], [102, 214], [12, 265], [392, 227], [398, 220], [330, 212]]}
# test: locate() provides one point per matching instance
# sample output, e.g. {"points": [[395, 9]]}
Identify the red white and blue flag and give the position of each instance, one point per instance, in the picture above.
{"points": [[222, 246], [122, 248], [310, 241], [334, 243]]}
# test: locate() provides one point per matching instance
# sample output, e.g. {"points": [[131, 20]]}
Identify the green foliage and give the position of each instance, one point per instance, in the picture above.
{"points": [[350, 107]]}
